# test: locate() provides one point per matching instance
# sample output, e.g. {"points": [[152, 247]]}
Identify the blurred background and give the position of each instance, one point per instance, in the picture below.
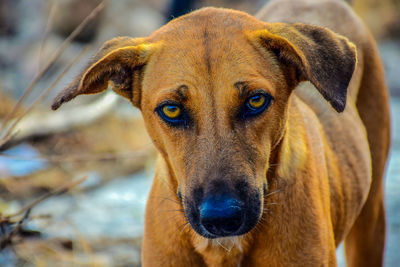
{"points": [[74, 183]]}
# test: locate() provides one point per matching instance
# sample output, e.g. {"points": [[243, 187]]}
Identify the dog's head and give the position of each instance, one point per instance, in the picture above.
{"points": [[213, 87]]}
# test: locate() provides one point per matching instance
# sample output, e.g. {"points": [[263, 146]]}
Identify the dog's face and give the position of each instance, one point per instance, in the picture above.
{"points": [[213, 111], [214, 88]]}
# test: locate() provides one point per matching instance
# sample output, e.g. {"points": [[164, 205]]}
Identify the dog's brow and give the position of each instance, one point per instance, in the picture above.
{"points": [[178, 93], [242, 88], [181, 91]]}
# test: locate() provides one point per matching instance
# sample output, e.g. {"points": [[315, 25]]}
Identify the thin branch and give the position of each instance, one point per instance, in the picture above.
{"points": [[61, 190], [7, 137], [82, 157], [63, 46], [44, 94], [49, 25], [16, 225]]}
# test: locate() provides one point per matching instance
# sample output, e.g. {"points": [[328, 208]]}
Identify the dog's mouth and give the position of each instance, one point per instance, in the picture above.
{"points": [[223, 214]]}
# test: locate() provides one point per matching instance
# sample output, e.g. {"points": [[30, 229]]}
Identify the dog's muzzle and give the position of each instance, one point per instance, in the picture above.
{"points": [[223, 213]]}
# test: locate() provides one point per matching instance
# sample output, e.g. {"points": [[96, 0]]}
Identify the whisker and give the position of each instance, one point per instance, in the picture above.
{"points": [[262, 217], [257, 227], [173, 217], [274, 192], [170, 199], [222, 246], [183, 224], [167, 185], [274, 164], [182, 227], [180, 210]]}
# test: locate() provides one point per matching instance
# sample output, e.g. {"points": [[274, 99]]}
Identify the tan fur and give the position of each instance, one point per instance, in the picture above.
{"points": [[310, 156]]}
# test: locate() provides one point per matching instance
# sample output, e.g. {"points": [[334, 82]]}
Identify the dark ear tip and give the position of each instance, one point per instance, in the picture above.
{"points": [[56, 105], [64, 96], [338, 106], [59, 100]]}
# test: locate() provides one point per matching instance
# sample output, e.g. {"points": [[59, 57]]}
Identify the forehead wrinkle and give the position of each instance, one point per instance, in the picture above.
{"points": [[207, 50]]}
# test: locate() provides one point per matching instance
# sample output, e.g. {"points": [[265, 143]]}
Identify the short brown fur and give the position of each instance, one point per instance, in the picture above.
{"points": [[309, 162]]}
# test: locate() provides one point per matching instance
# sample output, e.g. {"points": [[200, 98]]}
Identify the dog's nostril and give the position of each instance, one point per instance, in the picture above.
{"points": [[222, 226], [221, 216], [232, 226]]}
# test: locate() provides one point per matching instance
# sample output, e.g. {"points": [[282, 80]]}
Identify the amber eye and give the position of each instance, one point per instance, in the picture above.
{"points": [[174, 114], [256, 101], [256, 104], [171, 111]]}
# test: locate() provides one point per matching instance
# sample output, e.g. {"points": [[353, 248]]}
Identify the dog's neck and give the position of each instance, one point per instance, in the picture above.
{"points": [[292, 148]]}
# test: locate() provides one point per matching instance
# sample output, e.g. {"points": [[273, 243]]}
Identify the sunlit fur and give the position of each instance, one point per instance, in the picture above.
{"points": [[303, 166]]}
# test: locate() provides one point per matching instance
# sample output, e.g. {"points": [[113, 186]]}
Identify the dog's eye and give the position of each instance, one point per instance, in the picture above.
{"points": [[256, 101], [171, 111], [173, 114], [256, 104]]}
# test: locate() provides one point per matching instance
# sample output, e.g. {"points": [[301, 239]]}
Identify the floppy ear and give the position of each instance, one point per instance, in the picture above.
{"points": [[120, 62], [317, 54]]}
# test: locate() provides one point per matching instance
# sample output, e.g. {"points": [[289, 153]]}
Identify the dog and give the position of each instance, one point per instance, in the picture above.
{"points": [[273, 133]]}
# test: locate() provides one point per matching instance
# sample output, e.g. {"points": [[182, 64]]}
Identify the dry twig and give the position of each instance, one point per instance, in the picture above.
{"points": [[9, 135], [11, 225], [86, 157], [55, 56]]}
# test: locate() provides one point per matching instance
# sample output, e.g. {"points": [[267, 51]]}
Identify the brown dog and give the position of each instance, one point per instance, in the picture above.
{"points": [[252, 171]]}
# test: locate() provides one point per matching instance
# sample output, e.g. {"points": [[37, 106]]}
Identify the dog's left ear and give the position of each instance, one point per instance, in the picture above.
{"points": [[118, 63], [317, 54]]}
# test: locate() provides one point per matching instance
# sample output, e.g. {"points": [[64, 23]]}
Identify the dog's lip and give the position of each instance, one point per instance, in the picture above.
{"points": [[201, 230], [209, 235], [204, 233]]}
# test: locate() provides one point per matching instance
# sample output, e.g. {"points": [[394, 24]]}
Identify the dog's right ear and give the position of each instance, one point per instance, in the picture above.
{"points": [[120, 62], [315, 53]]}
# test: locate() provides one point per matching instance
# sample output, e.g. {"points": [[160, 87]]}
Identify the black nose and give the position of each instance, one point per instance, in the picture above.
{"points": [[221, 215]]}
